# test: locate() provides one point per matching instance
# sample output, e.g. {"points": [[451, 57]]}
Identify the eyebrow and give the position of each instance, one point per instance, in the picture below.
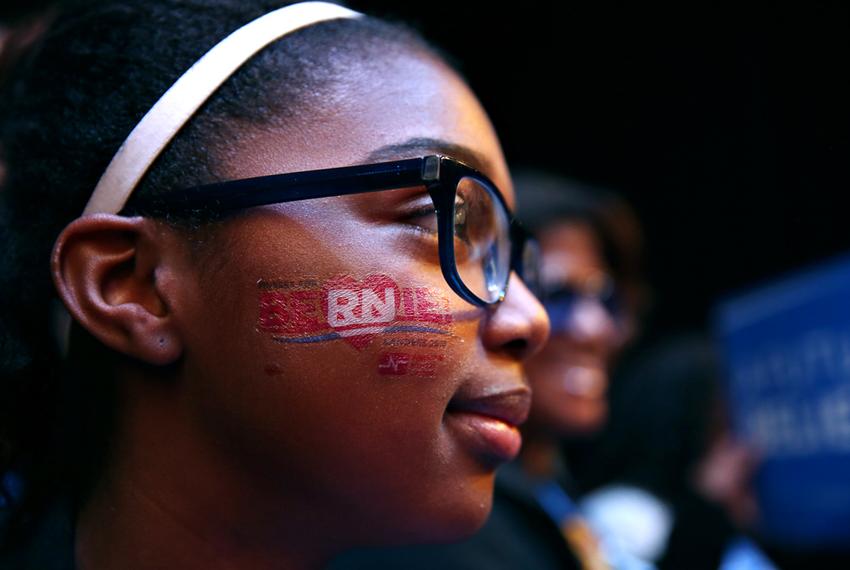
{"points": [[425, 145]]}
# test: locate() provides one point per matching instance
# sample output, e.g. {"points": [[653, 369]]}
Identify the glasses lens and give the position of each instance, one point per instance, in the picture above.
{"points": [[482, 241], [562, 303]]}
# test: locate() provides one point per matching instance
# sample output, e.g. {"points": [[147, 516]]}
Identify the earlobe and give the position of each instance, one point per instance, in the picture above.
{"points": [[104, 267]]}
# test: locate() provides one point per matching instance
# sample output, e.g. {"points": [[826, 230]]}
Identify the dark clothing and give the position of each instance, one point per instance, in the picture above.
{"points": [[50, 547], [518, 534]]}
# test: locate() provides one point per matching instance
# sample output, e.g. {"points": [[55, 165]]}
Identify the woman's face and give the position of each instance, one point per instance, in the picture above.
{"points": [[325, 355], [569, 375]]}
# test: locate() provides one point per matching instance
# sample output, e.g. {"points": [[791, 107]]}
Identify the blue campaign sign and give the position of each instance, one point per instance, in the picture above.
{"points": [[787, 351]]}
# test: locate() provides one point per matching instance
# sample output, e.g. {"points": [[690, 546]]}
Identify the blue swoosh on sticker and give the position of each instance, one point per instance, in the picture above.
{"points": [[334, 335]]}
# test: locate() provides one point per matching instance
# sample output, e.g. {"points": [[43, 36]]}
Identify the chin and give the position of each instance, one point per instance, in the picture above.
{"points": [[586, 422], [469, 523], [449, 520]]}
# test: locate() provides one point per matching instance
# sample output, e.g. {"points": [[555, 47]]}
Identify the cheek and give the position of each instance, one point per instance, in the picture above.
{"points": [[335, 377], [371, 357]]}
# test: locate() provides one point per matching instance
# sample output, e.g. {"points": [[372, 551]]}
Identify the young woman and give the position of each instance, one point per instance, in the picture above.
{"points": [[262, 370]]}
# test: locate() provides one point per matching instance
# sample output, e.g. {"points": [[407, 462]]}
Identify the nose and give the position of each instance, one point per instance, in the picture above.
{"points": [[518, 326]]}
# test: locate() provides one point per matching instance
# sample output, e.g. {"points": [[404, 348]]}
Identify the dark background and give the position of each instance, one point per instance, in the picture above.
{"points": [[727, 128]]}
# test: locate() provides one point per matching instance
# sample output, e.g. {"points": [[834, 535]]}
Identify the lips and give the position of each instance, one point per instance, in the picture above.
{"points": [[485, 422], [510, 406]]}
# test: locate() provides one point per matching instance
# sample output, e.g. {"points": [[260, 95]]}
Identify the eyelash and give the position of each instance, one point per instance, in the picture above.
{"points": [[429, 210], [422, 212], [418, 213], [413, 225]]}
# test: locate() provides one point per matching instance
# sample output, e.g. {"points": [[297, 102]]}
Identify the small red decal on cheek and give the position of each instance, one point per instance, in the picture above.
{"points": [[408, 364]]}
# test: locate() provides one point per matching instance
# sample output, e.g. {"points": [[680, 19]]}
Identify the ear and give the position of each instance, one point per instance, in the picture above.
{"points": [[105, 269]]}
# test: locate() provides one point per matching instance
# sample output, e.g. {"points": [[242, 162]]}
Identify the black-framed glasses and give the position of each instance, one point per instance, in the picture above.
{"points": [[562, 301], [479, 241]]}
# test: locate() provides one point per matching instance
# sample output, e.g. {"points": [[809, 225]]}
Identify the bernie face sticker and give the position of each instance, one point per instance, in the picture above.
{"points": [[355, 311]]}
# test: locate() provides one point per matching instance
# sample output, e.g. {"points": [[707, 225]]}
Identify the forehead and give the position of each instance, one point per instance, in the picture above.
{"points": [[571, 249], [408, 106]]}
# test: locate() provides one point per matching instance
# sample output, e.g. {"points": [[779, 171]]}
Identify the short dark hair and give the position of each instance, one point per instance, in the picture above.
{"points": [[66, 109], [545, 198]]}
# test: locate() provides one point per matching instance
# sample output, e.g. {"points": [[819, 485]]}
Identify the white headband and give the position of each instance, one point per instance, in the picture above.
{"points": [[179, 103]]}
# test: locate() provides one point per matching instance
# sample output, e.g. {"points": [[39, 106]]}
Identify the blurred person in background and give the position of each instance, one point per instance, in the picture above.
{"points": [[630, 427], [665, 477], [593, 291]]}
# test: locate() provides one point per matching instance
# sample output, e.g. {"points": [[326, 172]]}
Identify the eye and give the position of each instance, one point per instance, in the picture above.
{"points": [[465, 243], [461, 216], [421, 214]]}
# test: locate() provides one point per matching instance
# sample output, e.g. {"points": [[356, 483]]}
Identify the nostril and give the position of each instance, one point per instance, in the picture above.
{"points": [[517, 348]]}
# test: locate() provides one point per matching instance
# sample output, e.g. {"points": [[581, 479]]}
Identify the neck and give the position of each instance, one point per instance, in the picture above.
{"points": [[170, 499]]}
